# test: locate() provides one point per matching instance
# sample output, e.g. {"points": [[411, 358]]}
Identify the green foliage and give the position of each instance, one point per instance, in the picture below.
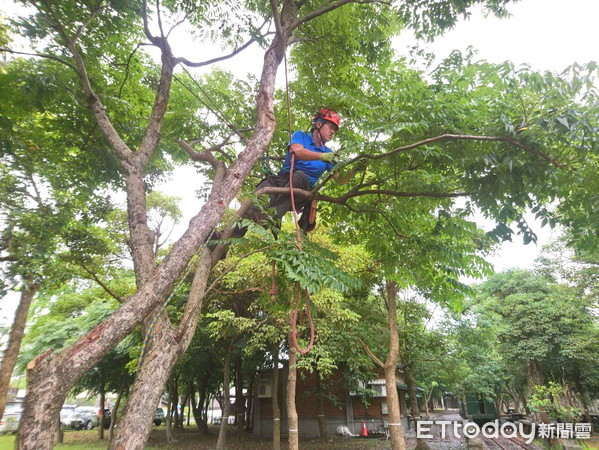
{"points": [[552, 400]]}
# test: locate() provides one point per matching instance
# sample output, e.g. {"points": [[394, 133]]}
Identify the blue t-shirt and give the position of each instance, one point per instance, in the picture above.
{"points": [[314, 169]]}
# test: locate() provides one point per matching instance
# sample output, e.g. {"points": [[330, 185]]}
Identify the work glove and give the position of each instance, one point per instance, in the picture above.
{"points": [[330, 157], [360, 165]]}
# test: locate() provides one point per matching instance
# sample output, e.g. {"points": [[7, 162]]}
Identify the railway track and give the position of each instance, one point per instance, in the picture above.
{"points": [[507, 444]]}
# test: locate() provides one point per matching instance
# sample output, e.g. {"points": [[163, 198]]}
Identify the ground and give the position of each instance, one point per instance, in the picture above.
{"points": [[190, 438]]}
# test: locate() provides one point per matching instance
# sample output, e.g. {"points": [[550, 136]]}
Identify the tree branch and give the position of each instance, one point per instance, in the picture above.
{"points": [[460, 137], [144, 12], [94, 103], [327, 8], [189, 63], [39, 55], [159, 19], [371, 354], [95, 11], [102, 284], [205, 155], [127, 64], [276, 16]]}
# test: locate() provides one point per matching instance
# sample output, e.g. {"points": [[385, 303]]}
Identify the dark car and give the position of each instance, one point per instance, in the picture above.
{"points": [[158, 416], [107, 417]]}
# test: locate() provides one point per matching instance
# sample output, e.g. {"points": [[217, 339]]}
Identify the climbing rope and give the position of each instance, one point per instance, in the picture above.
{"points": [[298, 243], [191, 266]]}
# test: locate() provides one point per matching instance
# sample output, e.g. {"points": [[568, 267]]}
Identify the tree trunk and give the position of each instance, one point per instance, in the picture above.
{"points": [[395, 431], [17, 330], [249, 416], [239, 399], [276, 411], [411, 391], [184, 403], [102, 414], [166, 346], [291, 409], [536, 378], [114, 414], [133, 427], [58, 433], [222, 434], [51, 377], [168, 419], [322, 423]]}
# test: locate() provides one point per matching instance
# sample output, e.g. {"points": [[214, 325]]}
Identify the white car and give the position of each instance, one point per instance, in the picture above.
{"points": [[10, 421]]}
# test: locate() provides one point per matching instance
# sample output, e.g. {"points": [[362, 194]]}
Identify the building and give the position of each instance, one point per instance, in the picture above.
{"points": [[339, 405]]}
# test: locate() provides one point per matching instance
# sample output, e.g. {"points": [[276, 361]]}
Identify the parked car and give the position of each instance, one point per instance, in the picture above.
{"points": [[88, 416], [158, 416], [69, 419], [10, 421]]}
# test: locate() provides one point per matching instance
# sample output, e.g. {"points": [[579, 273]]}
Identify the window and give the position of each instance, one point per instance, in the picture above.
{"points": [[264, 390]]}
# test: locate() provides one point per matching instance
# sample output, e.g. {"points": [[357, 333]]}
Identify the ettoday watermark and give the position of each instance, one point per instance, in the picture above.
{"points": [[507, 430]]}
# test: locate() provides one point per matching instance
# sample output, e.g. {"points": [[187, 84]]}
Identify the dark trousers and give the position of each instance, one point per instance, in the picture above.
{"points": [[280, 202]]}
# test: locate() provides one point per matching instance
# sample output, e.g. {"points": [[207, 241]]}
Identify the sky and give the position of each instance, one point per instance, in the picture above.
{"points": [[546, 34]]}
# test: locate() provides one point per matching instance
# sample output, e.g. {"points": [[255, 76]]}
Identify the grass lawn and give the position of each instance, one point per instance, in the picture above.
{"points": [[190, 438]]}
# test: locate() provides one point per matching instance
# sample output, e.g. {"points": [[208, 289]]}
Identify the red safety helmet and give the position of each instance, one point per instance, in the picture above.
{"points": [[328, 114]]}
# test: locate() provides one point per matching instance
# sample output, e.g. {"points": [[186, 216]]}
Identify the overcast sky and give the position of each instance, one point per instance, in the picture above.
{"points": [[547, 34]]}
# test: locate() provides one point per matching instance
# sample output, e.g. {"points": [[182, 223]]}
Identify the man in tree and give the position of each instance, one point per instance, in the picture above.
{"points": [[312, 158]]}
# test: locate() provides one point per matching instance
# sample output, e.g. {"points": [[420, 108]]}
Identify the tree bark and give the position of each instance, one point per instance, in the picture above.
{"points": [[276, 411], [222, 434], [17, 331], [166, 346], [292, 418], [395, 431]]}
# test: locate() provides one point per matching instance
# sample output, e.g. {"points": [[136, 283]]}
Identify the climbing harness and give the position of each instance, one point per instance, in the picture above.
{"points": [[191, 266]]}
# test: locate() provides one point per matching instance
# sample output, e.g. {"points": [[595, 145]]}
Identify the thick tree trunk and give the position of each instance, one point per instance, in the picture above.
{"points": [[239, 399], [395, 431], [322, 423], [17, 330], [133, 427], [222, 434], [276, 411], [166, 346], [292, 418]]}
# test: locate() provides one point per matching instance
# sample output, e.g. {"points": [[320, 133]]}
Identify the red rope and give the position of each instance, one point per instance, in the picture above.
{"points": [[297, 285], [294, 321]]}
